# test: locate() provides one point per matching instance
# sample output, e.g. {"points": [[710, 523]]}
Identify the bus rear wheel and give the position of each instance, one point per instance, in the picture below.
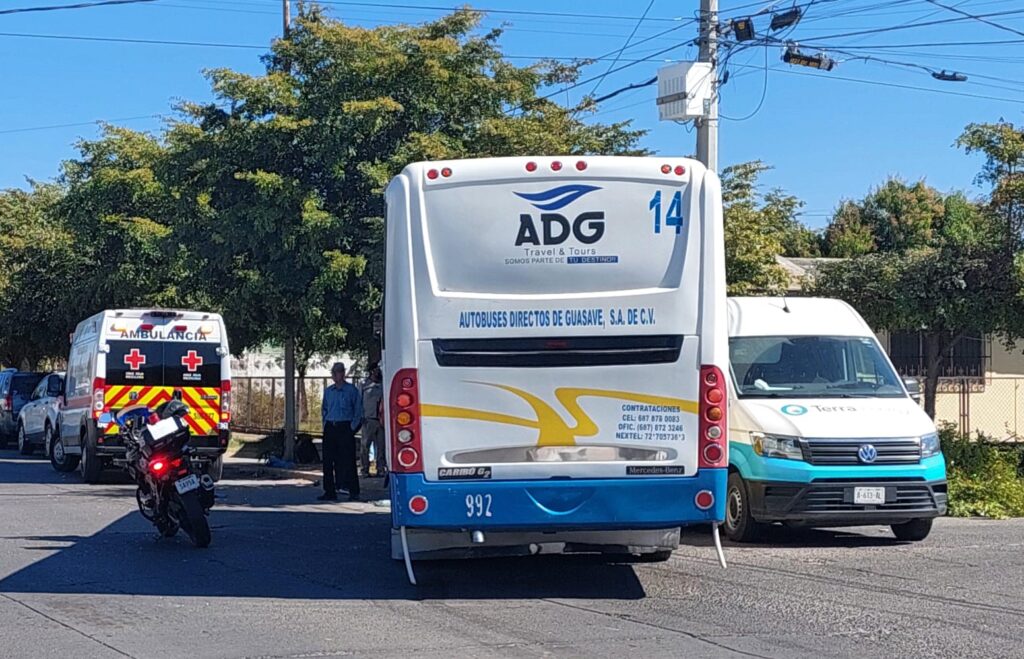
{"points": [[740, 526]]}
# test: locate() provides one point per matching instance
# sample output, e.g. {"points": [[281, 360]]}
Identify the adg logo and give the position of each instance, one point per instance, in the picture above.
{"points": [[555, 228]]}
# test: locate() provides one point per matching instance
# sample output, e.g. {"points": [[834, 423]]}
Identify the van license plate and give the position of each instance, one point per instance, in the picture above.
{"points": [[867, 495], [190, 483]]}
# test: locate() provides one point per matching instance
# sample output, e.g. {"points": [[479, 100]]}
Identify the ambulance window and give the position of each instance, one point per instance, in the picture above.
{"points": [[191, 365], [135, 363]]}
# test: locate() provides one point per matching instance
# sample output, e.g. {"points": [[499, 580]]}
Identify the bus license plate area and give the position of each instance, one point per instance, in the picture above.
{"points": [[187, 484], [869, 496]]}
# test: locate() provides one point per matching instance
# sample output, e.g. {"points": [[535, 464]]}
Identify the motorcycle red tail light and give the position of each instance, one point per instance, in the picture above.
{"points": [[157, 466]]}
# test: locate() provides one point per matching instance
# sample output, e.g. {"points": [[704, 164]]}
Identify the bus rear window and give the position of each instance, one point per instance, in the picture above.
{"points": [[163, 363]]}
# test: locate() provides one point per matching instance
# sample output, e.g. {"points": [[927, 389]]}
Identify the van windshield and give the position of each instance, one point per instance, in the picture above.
{"points": [[811, 367]]}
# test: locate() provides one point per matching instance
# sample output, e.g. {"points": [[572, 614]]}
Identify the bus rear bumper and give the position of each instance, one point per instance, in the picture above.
{"points": [[557, 505]]}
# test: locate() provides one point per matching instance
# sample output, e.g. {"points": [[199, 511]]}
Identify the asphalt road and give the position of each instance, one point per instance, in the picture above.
{"points": [[82, 574]]}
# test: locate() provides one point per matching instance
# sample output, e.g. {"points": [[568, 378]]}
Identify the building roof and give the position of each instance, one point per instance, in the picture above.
{"points": [[801, 269]]}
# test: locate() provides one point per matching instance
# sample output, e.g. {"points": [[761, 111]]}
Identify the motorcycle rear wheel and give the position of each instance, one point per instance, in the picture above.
{"points": [[193, 519]]}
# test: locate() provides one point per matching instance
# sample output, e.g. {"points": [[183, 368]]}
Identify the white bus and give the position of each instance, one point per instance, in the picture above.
{"points": [[554, 347]]}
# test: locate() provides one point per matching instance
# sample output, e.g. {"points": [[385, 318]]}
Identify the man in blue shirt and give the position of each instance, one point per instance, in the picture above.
{"points": [[342, 411]]}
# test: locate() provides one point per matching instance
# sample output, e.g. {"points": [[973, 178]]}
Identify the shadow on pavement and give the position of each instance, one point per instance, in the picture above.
{"points": [[274, 541], [784, 537]]}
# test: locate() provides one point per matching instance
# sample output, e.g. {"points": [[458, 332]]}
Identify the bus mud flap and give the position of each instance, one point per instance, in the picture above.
{"points": [[718, 545], [408, 559]]}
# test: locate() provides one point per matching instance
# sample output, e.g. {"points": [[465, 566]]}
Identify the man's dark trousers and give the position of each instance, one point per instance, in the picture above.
{"points": [[339, 452]]}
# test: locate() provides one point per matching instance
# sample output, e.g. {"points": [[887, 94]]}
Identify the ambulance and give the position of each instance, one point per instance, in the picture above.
{"points": [[125, 357]]}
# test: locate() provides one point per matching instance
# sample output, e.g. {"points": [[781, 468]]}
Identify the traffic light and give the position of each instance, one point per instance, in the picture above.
{"points": [[785, 19], [743, 29], [820, 61]]}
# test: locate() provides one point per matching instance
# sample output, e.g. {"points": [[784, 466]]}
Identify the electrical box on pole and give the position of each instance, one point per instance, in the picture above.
{"points": [[684, 91]]}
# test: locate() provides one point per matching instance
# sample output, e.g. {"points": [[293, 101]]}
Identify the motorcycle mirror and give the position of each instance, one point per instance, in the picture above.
{"points": [[106, 418]]}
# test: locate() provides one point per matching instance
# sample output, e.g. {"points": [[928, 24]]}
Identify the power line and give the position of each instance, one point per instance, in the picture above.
{"points": [[624, 46], [1005, 28], [894, 28], [157, 42], [511, 12], [764, 94], [889, 84], [95, 122], [80, 5]]}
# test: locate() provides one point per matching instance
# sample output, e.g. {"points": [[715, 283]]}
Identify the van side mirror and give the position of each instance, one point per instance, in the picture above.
{"points": [[913, 386], [55, 389]]}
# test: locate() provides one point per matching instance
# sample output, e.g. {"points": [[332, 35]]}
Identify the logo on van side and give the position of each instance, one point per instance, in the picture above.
{"points": [[587, 228], [794, 410]]}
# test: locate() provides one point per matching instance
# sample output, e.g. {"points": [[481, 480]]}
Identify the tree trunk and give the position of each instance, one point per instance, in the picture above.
{"points": [[932, 362], [289, 399]]}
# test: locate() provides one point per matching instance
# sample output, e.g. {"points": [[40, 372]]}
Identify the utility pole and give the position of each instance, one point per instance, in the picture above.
{"points": [[290, 428], [707, 128]]}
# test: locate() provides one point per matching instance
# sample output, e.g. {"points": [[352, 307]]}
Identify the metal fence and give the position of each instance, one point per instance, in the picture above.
{"points": [[992, 406], [258, 403]]}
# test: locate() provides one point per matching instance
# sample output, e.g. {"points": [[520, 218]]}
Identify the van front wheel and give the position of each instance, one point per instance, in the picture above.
{"points": [[913, 531], [740, 526]]}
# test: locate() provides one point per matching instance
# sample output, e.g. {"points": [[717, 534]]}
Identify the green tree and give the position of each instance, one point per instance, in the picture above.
{"points": [[935, 266], [848, 235], [758, 227], [38, 266], [1002, 144], [279, 180]]}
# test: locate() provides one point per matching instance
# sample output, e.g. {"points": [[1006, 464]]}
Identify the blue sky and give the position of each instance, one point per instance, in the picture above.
{"points": [[827, 138]]}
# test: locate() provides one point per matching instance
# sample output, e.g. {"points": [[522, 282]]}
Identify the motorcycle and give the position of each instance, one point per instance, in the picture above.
{"points": [[173, 492]]}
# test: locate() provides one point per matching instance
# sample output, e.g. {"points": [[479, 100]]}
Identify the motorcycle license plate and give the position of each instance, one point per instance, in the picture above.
{"points": [[187, 484]]}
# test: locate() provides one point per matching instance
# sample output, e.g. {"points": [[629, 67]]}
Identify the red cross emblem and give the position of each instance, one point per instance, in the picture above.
{"points": [[135, 359], [192, 361]]}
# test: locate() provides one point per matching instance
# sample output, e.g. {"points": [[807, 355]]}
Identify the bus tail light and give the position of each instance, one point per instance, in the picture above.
{"points": [[406, 443], [98, 393], [712, 451]]}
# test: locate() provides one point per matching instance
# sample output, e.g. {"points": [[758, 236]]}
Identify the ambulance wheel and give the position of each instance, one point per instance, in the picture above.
{"points": [[91, 464], [913, 531], [60, 459], [740, 526]]}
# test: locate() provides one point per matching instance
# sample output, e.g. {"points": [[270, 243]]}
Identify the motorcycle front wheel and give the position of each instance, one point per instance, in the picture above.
{"points": [[193, 519]]}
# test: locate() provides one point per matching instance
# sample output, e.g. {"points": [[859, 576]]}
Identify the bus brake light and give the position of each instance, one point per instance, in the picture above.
{"points": [[406, 445], [712, 451]]}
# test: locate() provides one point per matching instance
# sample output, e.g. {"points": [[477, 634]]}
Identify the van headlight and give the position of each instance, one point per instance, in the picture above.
{"points": [[930, 445], [776, 446]]}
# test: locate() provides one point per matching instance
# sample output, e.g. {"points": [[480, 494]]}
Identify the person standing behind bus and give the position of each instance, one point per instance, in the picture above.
{"points": [[342, 411], [373, 431]]}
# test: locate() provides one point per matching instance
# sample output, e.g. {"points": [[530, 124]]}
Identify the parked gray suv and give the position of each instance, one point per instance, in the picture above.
{"points": [[16, 388]]}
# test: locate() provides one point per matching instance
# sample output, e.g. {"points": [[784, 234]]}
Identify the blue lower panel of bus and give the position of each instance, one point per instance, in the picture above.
{"points": [[627, 503]]}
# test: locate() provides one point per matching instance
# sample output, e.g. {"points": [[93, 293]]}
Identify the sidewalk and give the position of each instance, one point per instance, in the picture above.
{"points": [[372, 489]]}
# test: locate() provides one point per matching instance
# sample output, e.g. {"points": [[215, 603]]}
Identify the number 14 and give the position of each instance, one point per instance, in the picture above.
{"points": [[674, 217]]}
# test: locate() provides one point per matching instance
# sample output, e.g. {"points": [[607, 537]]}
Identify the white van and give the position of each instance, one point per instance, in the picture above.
{"points": [[125, 357], [554, 353], [822, 430]]}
